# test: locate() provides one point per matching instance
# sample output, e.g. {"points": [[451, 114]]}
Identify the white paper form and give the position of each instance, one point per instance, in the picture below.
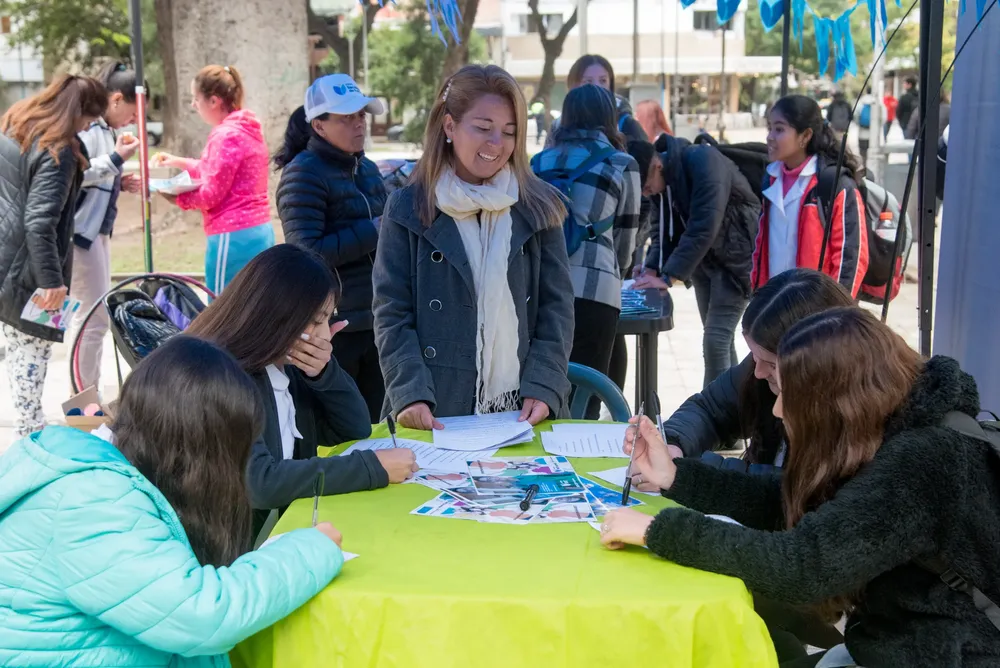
{"points": [[474, 433], [617, 478], [428, 456], [586, 440], [348, 556]]}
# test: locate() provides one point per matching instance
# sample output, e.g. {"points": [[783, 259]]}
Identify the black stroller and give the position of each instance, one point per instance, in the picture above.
{"points": [[143, 317]]}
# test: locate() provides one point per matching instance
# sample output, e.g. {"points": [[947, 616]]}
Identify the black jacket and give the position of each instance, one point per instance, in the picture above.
{"points": [[329, 410], [37, 200], [727, 410], [928, 491], [908, 104], [330, 202], [715, 215], [627, 123]]}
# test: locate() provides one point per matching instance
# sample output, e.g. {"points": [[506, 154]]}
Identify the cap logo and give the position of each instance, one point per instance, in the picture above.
{"points": [[344, 89]]}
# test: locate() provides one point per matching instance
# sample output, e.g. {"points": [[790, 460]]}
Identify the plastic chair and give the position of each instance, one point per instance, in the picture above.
{"points": [[589, 383]]}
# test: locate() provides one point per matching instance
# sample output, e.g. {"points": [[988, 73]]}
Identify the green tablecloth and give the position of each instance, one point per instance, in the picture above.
{"points": [[440, 592]]}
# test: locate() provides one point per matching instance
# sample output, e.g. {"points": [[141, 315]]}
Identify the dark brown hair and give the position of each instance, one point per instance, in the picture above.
{"points": [[118, 78], [590, 108], [843, 374], [455, 98], [50, 120], [187, 417], [776, 307], [575, 75], [223, 82], [268, 305]]}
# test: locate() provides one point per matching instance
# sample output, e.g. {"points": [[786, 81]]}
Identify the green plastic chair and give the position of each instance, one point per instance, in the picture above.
{"points": [[589, 383]]}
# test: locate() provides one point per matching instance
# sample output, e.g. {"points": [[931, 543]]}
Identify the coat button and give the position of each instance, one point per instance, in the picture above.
{"points": [[430, 353], [435, 304], [437, 257]]}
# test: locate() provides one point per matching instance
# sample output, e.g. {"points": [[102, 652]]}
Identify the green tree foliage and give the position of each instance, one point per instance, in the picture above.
{"points": [[406, 61]]}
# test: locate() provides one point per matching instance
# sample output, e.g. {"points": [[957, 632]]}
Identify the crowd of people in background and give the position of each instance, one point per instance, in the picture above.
{"points": [[469, 291]]}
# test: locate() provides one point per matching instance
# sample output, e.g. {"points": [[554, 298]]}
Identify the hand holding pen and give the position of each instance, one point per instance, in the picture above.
{"points": [[325, 528], [649, 455]]}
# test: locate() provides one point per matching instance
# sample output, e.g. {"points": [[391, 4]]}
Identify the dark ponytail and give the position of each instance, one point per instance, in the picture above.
{"points": [[297, 136], [803, 113], [118, 78]]}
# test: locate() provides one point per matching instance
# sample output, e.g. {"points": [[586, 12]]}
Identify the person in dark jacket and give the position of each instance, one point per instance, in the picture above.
{"points": [[473, 295], [875, 485], [40, 177], [330, 200], [704, 237], [275, 320], [908, 103], [739, 403]]}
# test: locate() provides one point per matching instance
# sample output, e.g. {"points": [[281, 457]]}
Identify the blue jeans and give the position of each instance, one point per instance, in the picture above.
{"points": [[721, 303]]}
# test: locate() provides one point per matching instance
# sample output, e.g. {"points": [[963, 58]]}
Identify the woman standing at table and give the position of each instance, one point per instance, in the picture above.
{"points": [[275, 319], [875, 489], [473, 296], [233, 174], [137, 553], [606, 197]]}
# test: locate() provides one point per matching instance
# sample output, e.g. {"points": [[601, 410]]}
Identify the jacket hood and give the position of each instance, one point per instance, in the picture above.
{"points": [[246, 122], [50, 454], [940, 388]]}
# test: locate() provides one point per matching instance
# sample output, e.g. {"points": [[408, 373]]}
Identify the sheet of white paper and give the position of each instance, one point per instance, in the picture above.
{"points": [[725, 518], [578, 440], [597, 527], [473, 433], [628, 284], [428, 456], [347, 555], [617, 478]]}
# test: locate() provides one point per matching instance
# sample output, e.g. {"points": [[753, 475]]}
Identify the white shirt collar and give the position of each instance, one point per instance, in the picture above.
{"points": [[279, 381]]}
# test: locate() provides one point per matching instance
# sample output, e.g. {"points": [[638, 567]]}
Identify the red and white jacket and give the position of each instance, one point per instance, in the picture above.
{"points": [[797, 218]]}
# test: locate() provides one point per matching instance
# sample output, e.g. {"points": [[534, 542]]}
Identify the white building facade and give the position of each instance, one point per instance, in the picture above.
{"points": [[21, 68]]}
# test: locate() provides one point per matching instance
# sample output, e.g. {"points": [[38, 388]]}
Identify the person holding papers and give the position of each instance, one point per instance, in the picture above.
{"points": [[886, 486], [473, 297], [137, 553], [275, 319], [737, 404]]}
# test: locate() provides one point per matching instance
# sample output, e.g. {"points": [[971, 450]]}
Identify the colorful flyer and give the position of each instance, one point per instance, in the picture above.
{"points": [[575, 508], [54, 318]]}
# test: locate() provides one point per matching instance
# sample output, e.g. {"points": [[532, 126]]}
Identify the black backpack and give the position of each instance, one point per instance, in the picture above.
{"points": [[563, 180], [988, 432], [749, 157]]}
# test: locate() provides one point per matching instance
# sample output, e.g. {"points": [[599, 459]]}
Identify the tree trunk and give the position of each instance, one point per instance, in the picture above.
{"points": [[553, 47], [340, 45], [457, 54]]}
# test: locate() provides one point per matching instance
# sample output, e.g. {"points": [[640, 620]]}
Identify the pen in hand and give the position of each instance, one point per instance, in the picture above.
{"points": [[392, 429], [318, 492], [627, 487]]}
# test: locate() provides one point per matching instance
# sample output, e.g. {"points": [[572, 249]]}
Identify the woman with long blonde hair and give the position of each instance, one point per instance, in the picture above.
{"points": [[885, 487], [473, 298], [41, 170]]}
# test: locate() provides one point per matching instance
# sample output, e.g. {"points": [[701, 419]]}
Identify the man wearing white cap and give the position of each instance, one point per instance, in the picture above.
{"points": [[330, 199]]}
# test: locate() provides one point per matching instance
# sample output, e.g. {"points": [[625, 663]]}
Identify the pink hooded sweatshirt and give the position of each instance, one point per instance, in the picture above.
{"points": [[233, 172]]}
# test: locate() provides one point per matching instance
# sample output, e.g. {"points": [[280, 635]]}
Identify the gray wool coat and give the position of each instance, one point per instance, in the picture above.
{"points": [[425, 311]]}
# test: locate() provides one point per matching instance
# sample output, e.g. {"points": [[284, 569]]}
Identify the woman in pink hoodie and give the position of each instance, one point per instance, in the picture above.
{"points": [[233, 175]]}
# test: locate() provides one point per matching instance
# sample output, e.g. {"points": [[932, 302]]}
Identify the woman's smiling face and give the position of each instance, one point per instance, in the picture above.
{"points": [[484, 139]]}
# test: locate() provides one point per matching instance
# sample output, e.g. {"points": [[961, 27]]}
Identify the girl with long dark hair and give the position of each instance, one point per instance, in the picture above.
{"points": [[796, 210], [275, 319], [330, 200], [605, 197], [473, 296], [738, 404], [137, 553], [876, 487], [43, 162], [96, 210]]}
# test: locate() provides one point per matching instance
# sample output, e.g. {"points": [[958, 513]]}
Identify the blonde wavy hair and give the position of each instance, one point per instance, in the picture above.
{"points": [[463, 89]]}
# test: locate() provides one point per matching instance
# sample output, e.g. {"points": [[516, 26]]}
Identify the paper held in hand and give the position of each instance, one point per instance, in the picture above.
{"points": [[55, 318], [176, 185], [473, 433]]}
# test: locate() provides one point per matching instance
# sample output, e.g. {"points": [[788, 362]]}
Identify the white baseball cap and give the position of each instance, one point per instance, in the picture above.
{"points": [[338, 94]]}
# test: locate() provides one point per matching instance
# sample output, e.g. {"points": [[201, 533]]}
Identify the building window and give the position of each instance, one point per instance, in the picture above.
{"points": [[5, 25], [709, 21], [553, 24]]}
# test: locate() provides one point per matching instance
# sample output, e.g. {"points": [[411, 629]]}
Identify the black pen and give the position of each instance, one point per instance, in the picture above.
{"points": [[627, 487], [528, 496], [318, 492], [392, 429]]}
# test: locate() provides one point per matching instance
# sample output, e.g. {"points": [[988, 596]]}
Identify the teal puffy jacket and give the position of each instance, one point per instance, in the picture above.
{"points": [[96, 570]]}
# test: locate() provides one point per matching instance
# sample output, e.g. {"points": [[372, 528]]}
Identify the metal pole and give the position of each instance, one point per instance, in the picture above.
{"points": [[364, 42], [876, 158], [350, 57], [581, 21], [635, 43], [663, 49], [786, 40], [135, 9], [723, 90], [931, 27], [676, 103]]}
